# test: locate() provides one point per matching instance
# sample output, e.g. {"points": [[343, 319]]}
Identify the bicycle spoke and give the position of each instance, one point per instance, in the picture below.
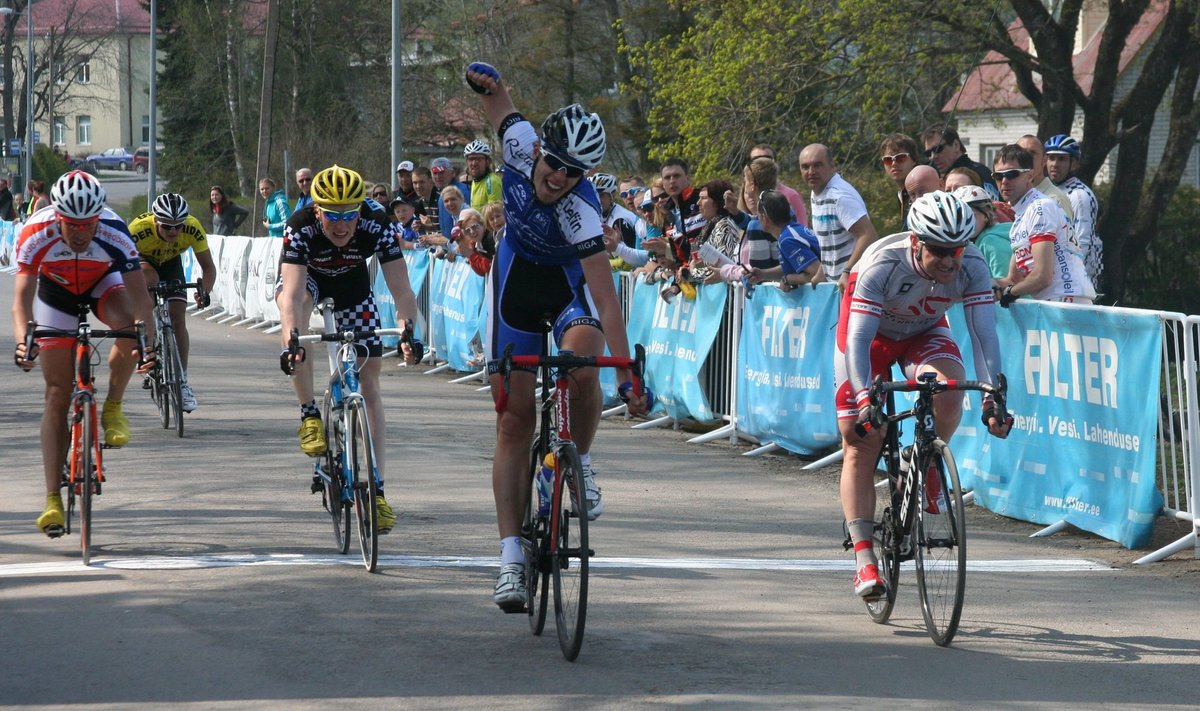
{"points": [[570, 556], [362, 466], [941, 551], [535, 533]]}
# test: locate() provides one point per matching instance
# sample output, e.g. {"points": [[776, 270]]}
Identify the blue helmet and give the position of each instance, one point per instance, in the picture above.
{"points": [[1063, 144]]}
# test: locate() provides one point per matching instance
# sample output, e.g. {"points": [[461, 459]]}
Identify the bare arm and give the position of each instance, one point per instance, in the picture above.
{"points": [[208, 270], [395, 275], [291, 299], [22, 310], [865, 234], [1043, 270]]}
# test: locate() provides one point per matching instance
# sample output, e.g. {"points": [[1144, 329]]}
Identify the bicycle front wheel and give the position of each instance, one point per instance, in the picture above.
{"points": [[941, 545], [83, 462], [569, 553], [535, 531], [158, 387], [174, 378], [362, 476], [886, 538], [336, 502]]}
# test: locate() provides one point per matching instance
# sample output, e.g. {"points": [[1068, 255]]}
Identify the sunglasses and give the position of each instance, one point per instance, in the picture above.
{"points": [[171, 227], [79, 224], [943, 252], [335, 216], [660, 196], [379, 193], [555, 164], [897, 158], [1010, 174], [632, 191], [931, 152]]}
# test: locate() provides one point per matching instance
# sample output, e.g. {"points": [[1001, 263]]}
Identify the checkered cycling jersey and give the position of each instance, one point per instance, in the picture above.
{"points": [[305, 244], [1039, 220], [1087, 211], [155, 250], [889, 295], [557, 234], [41, 250]]}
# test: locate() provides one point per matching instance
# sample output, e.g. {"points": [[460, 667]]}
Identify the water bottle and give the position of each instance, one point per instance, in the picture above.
{"points": [[545, 484]]}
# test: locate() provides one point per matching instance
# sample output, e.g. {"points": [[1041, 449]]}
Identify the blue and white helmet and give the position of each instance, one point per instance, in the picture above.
{"points": [[576, 136], [1063, 144]]}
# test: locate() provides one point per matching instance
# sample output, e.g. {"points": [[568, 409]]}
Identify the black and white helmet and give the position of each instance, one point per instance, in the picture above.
{"points": [[78, 196], [940, 219], [604, 183], [477, 148], [575, 136], [170, 207]]}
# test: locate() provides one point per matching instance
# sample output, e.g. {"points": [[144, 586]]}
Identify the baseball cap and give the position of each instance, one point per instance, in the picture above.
{"points": [[405, 165], [440, 164], [647, 200]]}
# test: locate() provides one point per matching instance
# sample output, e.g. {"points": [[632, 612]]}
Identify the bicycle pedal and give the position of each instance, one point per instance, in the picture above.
{"points": [[146, 384], [54, 531], [513, 608]]}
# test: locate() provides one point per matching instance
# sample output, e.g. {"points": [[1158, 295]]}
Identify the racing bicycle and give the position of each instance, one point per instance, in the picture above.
{"points": [[165, 380]]}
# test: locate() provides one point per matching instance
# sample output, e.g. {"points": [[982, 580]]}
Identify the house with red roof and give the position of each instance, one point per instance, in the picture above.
{"points": [[990, 111]]}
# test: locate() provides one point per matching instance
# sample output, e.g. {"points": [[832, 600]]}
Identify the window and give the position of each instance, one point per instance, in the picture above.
{"points": [[83, 72], [60, 130], [146, 128], [987, 154], [83, 130], [60, 73]]}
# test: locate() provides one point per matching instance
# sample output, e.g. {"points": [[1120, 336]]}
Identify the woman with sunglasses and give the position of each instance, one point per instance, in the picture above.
{"points": [[325, 251], [162, 236], [551, 262], [894, 311]]}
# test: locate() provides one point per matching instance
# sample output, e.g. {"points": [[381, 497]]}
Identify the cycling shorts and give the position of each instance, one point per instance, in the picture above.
{"points": [[524, 297], [348, 315], [55, 307], [910, 353], [170, 270]]}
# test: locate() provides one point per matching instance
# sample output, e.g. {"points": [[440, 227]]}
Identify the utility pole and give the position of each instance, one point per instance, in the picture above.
{"points": [[263, 163]]}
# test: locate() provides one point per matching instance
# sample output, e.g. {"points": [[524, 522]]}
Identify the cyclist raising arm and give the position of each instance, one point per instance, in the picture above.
{"points": [[893, 310], [76, 251], [162, 236], [551, 265], [325, 249]]}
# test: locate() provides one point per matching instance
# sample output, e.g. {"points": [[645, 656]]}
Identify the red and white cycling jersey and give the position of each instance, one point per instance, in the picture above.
{"points": [[891, 298], [41, 250], [1040, 219]]}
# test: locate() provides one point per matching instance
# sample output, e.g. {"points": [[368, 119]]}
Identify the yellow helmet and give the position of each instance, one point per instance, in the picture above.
{"points": [[337, 186]]}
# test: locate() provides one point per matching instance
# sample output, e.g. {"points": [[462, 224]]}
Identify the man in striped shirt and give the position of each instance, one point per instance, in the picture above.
{"points": [[839, 215]]}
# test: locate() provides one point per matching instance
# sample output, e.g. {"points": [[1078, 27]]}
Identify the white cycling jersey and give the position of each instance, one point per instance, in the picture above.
{"points": [[1087, 212], [1040, 219]]}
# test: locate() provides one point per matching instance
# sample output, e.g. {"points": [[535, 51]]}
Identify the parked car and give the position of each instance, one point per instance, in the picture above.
{"points": [[81, 164], [141, 158], [112, 159]]}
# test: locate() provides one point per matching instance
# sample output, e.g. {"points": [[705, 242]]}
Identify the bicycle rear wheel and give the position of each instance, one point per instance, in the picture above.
{"points": [[362, 468], [84, 461], [886, 539], [331, 462], [534, 534], [941, 546], [569, 553]]}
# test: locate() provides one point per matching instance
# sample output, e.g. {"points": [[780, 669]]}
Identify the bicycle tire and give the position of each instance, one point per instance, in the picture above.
{"points": [[335, 500], [534, 532], [941, 548], [886, 539], [158, 380], [570, 554], [84, 475], [174, 380], [362, 475]]}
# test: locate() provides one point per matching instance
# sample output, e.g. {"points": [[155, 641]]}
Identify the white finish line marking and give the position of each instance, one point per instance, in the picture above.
{"points": [[1068, 565]]}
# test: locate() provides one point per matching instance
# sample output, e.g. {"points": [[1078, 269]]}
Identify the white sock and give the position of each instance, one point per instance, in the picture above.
{"points": [[585, 459], [511, 550]]}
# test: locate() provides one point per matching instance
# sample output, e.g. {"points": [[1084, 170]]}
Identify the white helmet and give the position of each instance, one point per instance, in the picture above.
{"points": [[78, 196], [170, 207], [604, 182], [940, 219], [576, 136], [477, 148], [972, 195]]}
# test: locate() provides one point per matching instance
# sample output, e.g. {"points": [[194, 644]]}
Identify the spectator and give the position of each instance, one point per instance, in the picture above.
{"points": [[921, 180], [227, 215], [304, 183], [684, 220], [1041, 181], [426, 203], [486, 185], [35, 196], [275, 207], [794, 198], [1044, 264], [721, 233], [402, 215], [1062, 160], [945, 151], [380, 194], [632, 189], [798, 246], [7, 211], [404, 180], [452, 202], [628, 223], [991, 236], [899, 155], [839, 215], [960, 177], [443, 177], [476, 241]]}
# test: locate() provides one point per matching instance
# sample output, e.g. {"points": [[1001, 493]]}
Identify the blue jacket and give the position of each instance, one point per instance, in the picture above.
{"points": [[276, 212]]}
